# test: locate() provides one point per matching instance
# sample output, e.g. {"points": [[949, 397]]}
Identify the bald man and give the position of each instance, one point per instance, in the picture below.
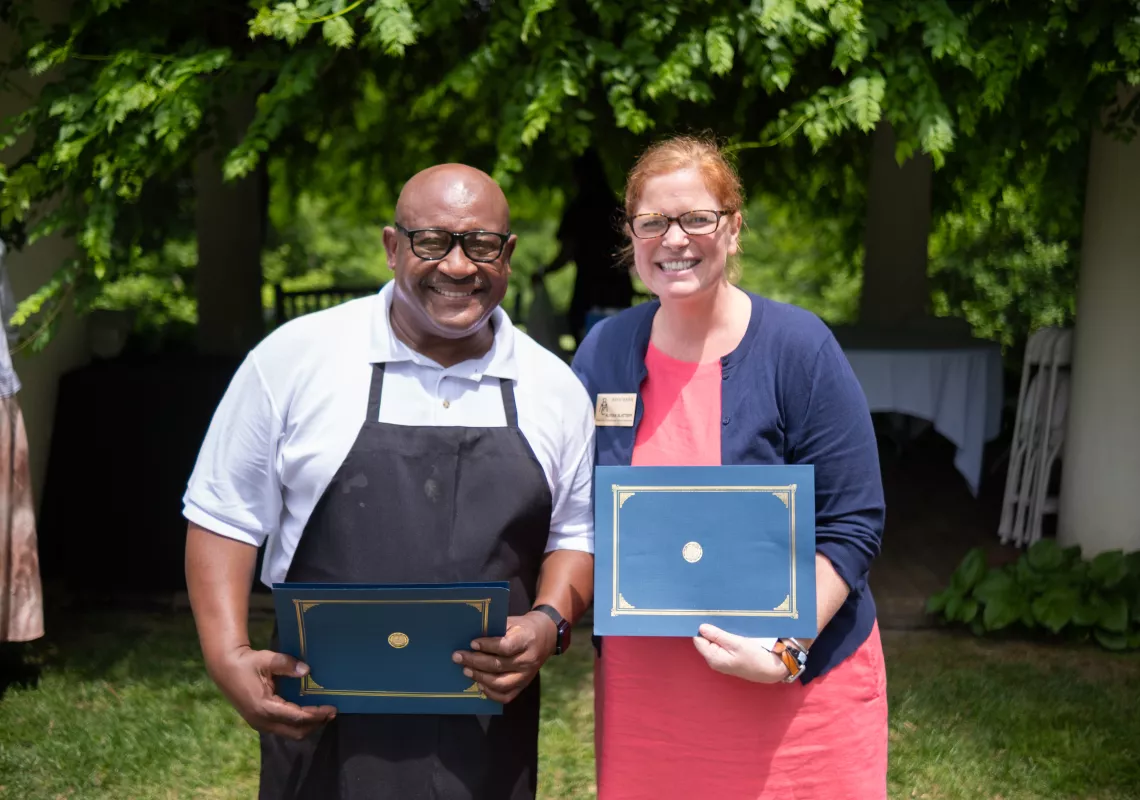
{"points": [[412, 436]]}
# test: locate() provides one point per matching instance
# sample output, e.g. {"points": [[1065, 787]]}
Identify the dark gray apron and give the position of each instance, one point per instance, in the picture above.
{"points": [[419, 504]]}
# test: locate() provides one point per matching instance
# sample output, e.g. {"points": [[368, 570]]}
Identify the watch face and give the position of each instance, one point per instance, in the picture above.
{"points": [[564, 637]]}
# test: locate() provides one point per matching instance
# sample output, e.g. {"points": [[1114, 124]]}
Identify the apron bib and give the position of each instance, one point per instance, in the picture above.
{"points": [[423, 504]]}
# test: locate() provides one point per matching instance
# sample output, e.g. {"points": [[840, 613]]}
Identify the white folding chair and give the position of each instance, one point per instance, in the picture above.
{"points": [[1038, 435], [1052, 434]]}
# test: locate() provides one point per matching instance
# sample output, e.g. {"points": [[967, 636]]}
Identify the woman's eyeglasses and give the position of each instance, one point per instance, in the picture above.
{"points": [[694, 223], [433, 244]]}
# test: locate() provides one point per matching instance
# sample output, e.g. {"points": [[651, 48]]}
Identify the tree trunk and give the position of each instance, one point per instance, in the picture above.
{"points": [[895, 286], [230, 220]]}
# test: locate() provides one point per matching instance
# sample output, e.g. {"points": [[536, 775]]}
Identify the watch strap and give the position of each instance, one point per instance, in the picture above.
{"points": [[793, 654], [559, 622]]}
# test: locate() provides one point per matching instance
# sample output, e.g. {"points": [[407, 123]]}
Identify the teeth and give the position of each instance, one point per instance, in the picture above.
{"points": [[454, 294], [677, 266]]}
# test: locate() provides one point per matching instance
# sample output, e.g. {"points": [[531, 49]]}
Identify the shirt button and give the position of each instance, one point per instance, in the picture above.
{"points": [[446, 404], [724, 376], [724, 421]]}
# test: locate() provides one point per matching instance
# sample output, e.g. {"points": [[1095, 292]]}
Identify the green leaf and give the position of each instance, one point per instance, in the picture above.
{"points": [[954, 607], [1028, 577], [1045, 555], [936, 603], [1111, 640], [1108, 568], [1056, 608], [1132, 562], [937, 136], [971, 571], [1003, 612], [865, 105], [1089, 612], [1114, 615], [393, 26], [775, 14], [338, 32], [1072, 555], [996, 584], [534, 9], [718, 48], [1003, 599], [968, 610]]}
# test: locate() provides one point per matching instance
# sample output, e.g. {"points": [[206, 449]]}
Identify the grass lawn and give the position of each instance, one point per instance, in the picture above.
{"points": [[123, 709]]}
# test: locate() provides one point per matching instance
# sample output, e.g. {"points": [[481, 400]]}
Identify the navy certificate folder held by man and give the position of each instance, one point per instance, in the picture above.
{"points": [[733, 546], [386, 649]]}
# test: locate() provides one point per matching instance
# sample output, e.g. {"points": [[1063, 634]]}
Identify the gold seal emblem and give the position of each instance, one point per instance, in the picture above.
{"points": [[398, 640], [692, 552]]}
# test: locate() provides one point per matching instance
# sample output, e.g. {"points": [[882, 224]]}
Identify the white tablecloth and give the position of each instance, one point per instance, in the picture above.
{"points": [[959, 390]]}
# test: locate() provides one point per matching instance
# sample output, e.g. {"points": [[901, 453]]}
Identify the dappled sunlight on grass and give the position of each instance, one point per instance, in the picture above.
{"points": [[566, 735], [123, 709], [978, 718]]}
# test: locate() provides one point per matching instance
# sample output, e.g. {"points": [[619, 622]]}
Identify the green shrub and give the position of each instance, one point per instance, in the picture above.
{"points": [[1050, 589]]}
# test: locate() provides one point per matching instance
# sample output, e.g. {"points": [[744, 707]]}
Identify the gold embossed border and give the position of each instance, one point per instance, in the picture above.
{"points": [[311, 687], [789, 608]]}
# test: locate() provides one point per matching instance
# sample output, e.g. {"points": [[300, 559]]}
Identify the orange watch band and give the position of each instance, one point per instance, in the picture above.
{"points": [[794, 664], [789, 660]]}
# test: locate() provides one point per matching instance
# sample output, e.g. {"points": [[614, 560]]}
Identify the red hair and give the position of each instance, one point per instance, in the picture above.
{"points": [[686, 152]]}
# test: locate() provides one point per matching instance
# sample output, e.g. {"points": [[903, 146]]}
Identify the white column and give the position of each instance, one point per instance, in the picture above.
{"points": [[1100, 486]]}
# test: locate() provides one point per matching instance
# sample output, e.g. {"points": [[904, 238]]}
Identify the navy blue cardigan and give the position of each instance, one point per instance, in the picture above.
{"points": [[789, 397]]}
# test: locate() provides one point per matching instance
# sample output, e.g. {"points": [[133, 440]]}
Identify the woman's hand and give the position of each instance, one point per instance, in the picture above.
{"points": [[739, 656]]}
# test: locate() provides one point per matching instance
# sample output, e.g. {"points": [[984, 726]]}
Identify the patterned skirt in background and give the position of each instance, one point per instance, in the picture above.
{"points": [[21, 597]]}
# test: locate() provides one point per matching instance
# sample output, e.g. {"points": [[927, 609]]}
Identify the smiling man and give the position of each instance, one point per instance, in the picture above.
{"points": [[410, 437]]}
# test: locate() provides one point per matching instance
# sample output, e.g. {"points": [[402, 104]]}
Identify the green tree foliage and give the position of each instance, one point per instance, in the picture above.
{"points": [[382, 87]]}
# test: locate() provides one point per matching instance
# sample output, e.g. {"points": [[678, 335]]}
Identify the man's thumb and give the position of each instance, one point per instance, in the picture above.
{"points": [[286, 665]]}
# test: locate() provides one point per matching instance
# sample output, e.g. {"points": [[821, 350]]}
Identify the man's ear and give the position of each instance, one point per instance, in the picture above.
{"points": [[391, 245], [508, 251]]}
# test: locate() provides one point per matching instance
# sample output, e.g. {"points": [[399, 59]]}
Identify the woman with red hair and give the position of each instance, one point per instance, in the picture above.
{"points": [[727, 377]]}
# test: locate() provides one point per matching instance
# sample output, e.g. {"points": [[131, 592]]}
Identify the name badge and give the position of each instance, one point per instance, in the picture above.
{"points": [[615, 410]]}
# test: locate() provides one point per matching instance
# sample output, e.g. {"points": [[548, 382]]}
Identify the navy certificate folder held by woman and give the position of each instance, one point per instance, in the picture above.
{"points": [[733, 546], [386, 648]]}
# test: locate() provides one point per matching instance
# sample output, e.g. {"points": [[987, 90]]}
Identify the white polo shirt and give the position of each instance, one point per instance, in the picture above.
{"points": [[296, 404]]}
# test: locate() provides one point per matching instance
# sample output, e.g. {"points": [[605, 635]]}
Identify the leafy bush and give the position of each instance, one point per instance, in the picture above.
{"points": [[1051, 589]]}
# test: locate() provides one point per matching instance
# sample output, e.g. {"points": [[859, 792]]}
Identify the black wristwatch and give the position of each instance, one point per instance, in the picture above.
{"points": [[563, 643]]}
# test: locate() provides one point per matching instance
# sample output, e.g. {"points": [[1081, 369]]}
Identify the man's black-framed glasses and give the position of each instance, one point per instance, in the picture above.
{"points": [[694, 223], [433, 244]]}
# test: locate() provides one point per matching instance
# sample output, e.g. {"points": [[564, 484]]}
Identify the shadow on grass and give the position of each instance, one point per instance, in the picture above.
{"points": [[18, 667], [152, 649]]}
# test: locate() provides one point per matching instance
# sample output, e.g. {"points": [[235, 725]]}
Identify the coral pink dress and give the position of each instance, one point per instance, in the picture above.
{"points": [[668, 726]]}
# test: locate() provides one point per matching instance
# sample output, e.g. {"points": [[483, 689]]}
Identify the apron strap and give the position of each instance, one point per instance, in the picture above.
{"points": [[508, 389], [373, 414]]}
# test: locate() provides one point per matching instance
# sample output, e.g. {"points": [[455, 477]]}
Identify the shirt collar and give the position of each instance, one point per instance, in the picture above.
{"points": [[498, 362]]}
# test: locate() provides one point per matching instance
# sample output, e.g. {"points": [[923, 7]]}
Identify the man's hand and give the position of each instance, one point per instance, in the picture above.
{"points": [[739, 656], [245, 677], [505, 666]]}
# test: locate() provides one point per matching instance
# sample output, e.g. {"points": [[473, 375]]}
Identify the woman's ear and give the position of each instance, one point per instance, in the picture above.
{"points": [[735, 225]]}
